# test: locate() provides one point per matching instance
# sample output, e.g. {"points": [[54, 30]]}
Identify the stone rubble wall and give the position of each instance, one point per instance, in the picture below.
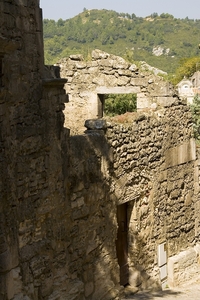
{"points": [[31, 177], [162, 198], [93, 226], [127, 163], [59, 193], [21, 155], [108, 74]]}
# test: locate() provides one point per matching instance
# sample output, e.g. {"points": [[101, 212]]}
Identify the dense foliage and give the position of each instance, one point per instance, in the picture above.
{"points": [[195, 108], [187, 67], [117, 104], [125, 35]]}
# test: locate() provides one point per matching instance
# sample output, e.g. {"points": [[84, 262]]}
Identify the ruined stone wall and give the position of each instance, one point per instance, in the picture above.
{"points": [[155, 168], [31, 180], [59, 194], [88, 81], [143, 162], [152, 168], [162, 200], [92, 253]]}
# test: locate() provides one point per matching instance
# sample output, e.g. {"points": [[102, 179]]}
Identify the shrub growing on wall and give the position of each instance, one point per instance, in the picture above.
{"points": [[195, 108]]}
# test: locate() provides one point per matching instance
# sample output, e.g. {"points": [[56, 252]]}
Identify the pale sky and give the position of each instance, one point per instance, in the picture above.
{"points": [[65, 9]]}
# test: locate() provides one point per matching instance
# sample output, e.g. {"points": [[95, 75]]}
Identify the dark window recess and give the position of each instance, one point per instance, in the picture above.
{"points": [[101, 101]]}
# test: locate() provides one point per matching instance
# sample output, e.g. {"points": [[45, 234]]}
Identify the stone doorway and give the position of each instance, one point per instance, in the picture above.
{"points": [[122, 243]]}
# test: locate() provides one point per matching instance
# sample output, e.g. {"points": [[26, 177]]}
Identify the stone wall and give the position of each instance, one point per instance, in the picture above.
{"points": [[184, 267], [31, 178], [93, 227], [60, 194], [161, 195], [138, 162], [89, 81]]}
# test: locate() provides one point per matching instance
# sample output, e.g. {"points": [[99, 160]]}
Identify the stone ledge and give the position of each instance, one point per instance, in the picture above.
{"points": [[181, 154], [166, 101], [96, 124], [184, 267]]}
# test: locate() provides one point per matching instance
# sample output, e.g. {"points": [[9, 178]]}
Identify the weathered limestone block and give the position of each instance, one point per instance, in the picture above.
{"points": [[117, 90], [188, 198], [139, 81], [100, 80], [183, 267], [165, 101], [98, 54], [123, 72], [93, 70], [133, 68], [120, 63], [77, 57], [143, 102], [106, 63], [180, 154], [81, 65], [160, 89], [92, 64], [123, 80]]}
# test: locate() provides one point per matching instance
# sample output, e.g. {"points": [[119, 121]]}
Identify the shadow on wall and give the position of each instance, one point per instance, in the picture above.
{"points": [[92, 255], [90, 190], [144, 272]]}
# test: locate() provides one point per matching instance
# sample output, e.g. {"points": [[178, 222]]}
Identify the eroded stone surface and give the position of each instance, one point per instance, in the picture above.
{"points": [[107, 74], [59, 193]]}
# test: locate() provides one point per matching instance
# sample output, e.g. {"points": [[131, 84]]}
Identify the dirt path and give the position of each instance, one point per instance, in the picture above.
{"points": [[186, 292]]}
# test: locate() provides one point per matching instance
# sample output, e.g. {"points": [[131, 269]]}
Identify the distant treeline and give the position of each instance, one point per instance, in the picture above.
{"points": [[160, 40]]}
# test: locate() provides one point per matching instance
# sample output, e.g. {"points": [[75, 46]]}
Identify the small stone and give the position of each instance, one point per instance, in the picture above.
{"points": [[96, 124], [130, 290]]}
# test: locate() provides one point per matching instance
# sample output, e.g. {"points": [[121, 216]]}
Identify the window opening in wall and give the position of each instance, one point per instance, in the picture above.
{"points": [[122, 243], [100, 103], [116, 104]]}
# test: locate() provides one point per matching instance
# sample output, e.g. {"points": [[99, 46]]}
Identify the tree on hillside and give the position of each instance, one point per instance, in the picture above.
{"points": [[187, 67], [154, 15], [60, 22], [166, 16], [116, 33]]}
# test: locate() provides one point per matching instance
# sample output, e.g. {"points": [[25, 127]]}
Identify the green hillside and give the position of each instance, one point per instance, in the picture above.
{"points": [[125, 35]]}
